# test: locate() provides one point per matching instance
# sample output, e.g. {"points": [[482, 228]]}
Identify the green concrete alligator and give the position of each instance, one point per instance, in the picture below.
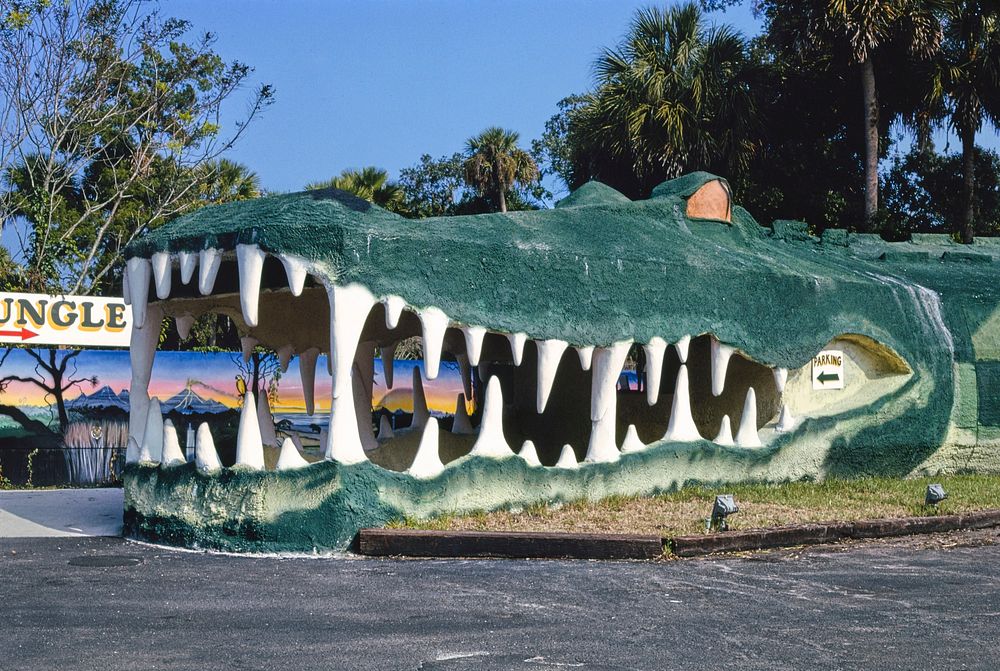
{"points": [[769, 354]]}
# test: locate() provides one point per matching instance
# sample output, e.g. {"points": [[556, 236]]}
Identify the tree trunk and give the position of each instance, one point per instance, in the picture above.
{"points": [[871, 141], [502, 199], [967, 225]]}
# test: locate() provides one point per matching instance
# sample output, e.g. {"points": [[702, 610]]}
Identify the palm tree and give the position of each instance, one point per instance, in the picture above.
{"points": [[369, 183], [859, 30], [674, 96], [495, 163], [224, 181], [969, 81]]}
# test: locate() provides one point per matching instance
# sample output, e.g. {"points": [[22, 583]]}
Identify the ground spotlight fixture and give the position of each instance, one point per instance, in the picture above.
{"points": [[935, 495], [724, 506]]}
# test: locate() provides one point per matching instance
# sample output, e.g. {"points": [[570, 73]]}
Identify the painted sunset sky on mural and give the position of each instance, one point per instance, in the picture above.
{"points": [[212, 375]]}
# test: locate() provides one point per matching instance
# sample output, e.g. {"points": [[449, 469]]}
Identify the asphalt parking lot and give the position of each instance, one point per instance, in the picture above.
{"points": [[106, 603]]}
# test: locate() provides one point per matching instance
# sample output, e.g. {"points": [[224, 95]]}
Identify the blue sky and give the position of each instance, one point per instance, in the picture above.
{"points": [[383, 81]]}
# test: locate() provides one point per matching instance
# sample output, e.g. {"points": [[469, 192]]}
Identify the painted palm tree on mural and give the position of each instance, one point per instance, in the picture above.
{"points": [[495, 164]]}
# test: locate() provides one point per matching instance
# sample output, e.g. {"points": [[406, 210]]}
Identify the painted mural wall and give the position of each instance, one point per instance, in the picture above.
{"points": [[64, 413]]}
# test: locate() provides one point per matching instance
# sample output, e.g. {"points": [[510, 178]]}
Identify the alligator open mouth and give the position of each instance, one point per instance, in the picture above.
{"points": [[551, 402], [713, 320]]}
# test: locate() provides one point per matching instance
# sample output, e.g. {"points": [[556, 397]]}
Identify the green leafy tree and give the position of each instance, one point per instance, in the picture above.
{"points": [[108, 117], [821, 33], [433, 187], [676, 95], [372, 184], [968, 81], [494, 164]]}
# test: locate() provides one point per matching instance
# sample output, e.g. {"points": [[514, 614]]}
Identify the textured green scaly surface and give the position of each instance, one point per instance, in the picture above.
{"points": [[596, 269]]}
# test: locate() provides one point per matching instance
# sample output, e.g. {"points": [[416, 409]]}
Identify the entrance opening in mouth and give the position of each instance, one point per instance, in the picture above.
{"points": [[548, 396]]}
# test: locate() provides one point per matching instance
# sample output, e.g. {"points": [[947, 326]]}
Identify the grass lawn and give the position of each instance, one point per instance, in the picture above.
{"points": [[683, 512]]}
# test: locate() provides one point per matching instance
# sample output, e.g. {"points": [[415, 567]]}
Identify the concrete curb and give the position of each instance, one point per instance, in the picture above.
{"points": [[536, 545], [815, 534], [511, 545]]}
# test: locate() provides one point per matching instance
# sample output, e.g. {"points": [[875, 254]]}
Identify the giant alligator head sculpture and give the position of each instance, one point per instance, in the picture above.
{"points": [[541, 309]]}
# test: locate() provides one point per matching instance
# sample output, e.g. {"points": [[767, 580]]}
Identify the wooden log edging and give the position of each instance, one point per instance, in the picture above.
{"points": [[814, 534], [510, 545]]}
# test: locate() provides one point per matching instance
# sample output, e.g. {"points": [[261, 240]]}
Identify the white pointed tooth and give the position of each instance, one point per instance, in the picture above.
{"points": [[388, 354], [249, 448], [184, 323], [362, 383], [586, 357], [567, 458], [385, 428], [632, 443], [655, 349], [151, 449], [785, 420], [462, 423], [209, 261], [172, 455], [725, 435], [132, 451], [721, 354], [344, 439], [349, 307], [474, 342], [265, 420], [247, 343], [491, 441], [420, 412], [517, 341], [188, 261], [465, 372], [138, 286], [307, 373], [608, 362], [434, 323], [682, 346], [746, 435], [681, 427], [295, 270], [393, 310], [126, 295], [142, 352], [549, 355], [250, 259], [206, 458], [285, 356], [427, 462], [780, 378], [289, 459], [529, 454], [161, 274]]}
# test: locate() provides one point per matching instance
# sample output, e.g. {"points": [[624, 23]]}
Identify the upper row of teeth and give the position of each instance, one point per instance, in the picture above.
{"points": [[356, 300]]}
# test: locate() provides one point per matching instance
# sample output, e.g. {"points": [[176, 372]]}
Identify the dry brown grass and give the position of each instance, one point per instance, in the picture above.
{"points": [[684, 512]]}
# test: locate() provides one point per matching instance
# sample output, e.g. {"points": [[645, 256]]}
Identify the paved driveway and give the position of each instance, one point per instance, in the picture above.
{"points": [[60, 512], [107, 604]]}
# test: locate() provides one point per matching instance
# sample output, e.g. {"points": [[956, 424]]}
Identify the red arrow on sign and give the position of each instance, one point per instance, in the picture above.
{"points": [[23, 334]]}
